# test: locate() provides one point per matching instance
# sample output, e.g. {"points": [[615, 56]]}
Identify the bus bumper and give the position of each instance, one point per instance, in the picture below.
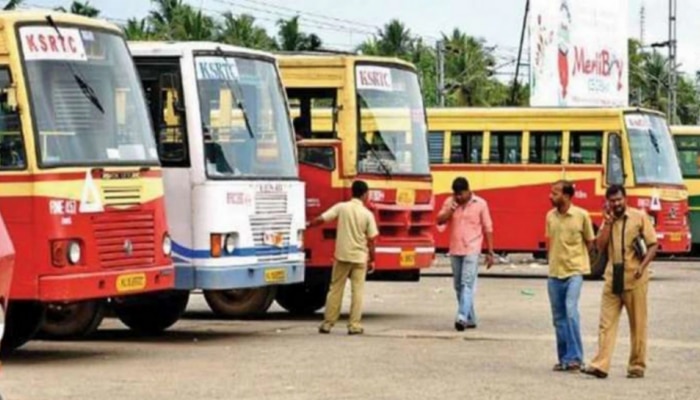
{"points": [[403, 258], [105, 283], [673, 242], [189, 277]]}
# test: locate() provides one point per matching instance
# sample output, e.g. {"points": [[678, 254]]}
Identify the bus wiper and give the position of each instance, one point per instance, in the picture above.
{"points": [[654, 141], [237, 93], [387, 170], [86, 89]]}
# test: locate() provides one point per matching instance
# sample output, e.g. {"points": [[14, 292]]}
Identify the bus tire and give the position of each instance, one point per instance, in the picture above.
{"points": [[23, 320], [303, 298], [151, 313], [240, 303], [73, 320]]}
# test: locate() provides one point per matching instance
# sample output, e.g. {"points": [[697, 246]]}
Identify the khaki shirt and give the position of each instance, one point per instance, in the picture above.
{"points": [[567, 234], [637, 223], [356, 225]]}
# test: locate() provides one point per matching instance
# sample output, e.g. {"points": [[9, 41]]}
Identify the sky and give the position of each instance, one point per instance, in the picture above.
{"points": [[344, 24]]}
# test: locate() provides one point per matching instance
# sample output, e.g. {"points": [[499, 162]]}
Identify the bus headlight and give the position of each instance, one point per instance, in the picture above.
{"points": [[167, 245], [230, 244], [74, 252]]}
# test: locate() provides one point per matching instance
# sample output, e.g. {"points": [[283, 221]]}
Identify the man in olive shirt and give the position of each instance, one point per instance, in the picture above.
{"points": [[354, 250], [626, 225], [570, 234]]}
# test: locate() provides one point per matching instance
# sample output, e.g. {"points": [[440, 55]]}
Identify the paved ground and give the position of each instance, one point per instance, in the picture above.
{"points": [[410, 350]]}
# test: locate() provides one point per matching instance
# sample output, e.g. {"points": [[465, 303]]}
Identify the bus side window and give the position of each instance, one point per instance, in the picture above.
{"points": [[436, 146], [586, 147], [545, 147], [688, 154], [505, 147], [314, 112], [615, 173], [321, 157], [161, 82], [12, 155], [465, 147]]}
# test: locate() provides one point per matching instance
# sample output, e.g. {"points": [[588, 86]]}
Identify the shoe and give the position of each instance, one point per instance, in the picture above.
{"points": [[595, 372], [460, 326], [470, 325], [324, 330], [571, 367], [359, 331], [636, 374]]}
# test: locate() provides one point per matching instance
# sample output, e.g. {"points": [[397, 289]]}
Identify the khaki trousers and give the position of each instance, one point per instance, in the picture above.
{"points": [[341, 271], [635, 303]]}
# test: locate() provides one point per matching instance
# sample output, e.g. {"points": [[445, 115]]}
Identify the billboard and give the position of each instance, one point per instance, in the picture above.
{"points": [[578, 53]]}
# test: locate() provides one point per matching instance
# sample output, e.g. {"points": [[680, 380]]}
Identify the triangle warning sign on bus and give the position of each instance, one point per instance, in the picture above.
{"points": [[90, 201]]}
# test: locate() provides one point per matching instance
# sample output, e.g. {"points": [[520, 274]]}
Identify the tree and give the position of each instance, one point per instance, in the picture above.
{"points": [[12, 4], [81, 8], [242, 31], [138, 29], [469, 69], [395, 40], [291, 38]]}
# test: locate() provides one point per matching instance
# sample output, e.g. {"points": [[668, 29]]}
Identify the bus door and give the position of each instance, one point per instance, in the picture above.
{"points": [[614, 159]]}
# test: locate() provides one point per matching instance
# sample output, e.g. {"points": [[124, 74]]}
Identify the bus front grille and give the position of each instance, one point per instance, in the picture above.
{"points": [[125, 238]]}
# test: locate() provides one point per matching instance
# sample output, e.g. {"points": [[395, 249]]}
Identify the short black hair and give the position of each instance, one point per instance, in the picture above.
{"points": [[359, 188], [460, 184], [615, 189], [567, 187]]}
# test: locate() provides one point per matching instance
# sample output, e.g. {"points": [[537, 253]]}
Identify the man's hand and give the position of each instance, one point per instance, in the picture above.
{"points": [[370, 267], [639, 272], [489, 260]]}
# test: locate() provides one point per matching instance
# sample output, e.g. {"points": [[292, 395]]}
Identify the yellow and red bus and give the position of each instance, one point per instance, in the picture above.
{"points": [[511, 156], [687, 139], [7, 265], [362, 118], [80, 182]]}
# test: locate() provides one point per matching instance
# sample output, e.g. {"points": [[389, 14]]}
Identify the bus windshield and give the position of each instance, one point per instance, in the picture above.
{"points": [[87, 105], [245, 123], [392, 131], [654, 158]]}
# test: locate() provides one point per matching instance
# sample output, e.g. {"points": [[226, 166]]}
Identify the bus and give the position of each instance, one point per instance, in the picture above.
{"points": [[687, 139], [7, 264], [511, 156], [361, 118], [80, 183], [232, 189]]}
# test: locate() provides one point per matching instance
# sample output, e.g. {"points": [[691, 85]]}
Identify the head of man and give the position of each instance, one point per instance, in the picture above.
{"points": [[561, 193], [360, 190], [617, 199], [460, 190]]}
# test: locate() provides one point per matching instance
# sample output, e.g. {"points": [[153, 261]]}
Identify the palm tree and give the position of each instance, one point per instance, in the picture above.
{"points": [[242, 31], [291, 38], [138, 29], [469, 68], [12, 4], [81, 8], [395, 40], [163, 18]]}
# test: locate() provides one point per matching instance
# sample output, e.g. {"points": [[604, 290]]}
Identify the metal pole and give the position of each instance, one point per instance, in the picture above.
{"points": [[672, 75], [514, 93], [441, 72]]}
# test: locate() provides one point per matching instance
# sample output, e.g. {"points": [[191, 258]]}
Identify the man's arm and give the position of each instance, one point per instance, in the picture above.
{"points": [[372, 233], [603, 237], [649, 235], [487, 224], [329, 215], [588, 234], [445, 214]]}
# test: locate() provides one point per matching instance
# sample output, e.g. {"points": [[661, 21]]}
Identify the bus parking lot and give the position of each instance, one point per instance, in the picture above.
{"points": [[409, 351]]}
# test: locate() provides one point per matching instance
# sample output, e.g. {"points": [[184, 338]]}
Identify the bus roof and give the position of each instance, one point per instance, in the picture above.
{"points": [[685, 129], [325, 59], [530, 112], [175, 48], [39, 15]]}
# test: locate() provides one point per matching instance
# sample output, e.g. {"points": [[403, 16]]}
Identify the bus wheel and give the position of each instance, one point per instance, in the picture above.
{"points": [[240, 303], [598, 265], [302, 299], [151, 313], [72, 320], [24, 318]]}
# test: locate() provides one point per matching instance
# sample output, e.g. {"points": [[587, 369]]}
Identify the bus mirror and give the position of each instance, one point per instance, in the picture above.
{"points": [[11, 103]]}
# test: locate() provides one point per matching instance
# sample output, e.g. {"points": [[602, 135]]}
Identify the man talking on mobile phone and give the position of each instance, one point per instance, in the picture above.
{"points": [[470, 220], [628, 237]]}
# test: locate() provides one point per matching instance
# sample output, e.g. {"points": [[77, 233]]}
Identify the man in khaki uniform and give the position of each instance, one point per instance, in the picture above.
{"points": [[570, 235], [354, 250], [627, 273]]}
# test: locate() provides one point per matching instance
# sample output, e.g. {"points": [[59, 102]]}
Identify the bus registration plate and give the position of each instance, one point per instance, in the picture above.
{"points": [[273, 239], [675, 237], [405, 197], [407, 258], [275, 275], [131, 282]]}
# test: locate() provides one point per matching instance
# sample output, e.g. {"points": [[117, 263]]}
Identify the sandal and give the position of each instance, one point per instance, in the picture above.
{"points": [[595, 372], [635, 374]]}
